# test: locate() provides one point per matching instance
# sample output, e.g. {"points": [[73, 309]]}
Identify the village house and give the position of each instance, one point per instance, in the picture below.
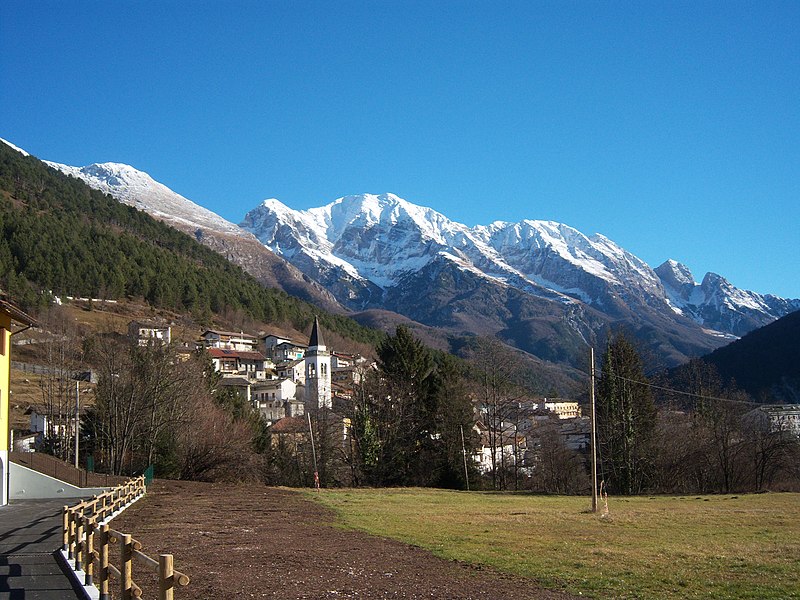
{"points": [[294, 370], [228, 340], [289, 432], [271, 340], [250, 364], [508, 447], [288, 351], [143, 333], [10, 316], [563, 409], [52, 423], [277, 399], [340, 360], [781, 417], [280, 348], [241, 385]]}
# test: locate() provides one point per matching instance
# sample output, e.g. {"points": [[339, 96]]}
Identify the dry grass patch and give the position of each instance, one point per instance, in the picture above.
{"points": [[744, 546]]}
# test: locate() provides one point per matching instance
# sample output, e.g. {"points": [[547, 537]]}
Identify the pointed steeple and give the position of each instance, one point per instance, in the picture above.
{"points": [[316, 340], [318, 370]]}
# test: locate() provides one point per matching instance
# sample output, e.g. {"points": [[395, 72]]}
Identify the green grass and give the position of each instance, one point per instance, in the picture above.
{"points": [[745, 546]]}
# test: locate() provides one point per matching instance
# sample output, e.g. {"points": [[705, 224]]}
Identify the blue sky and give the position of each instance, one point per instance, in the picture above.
{"points": [[673, 127]]}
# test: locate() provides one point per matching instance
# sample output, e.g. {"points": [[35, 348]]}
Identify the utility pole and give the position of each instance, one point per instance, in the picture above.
{"points": [[313, 451], [464, 452], [77, 419], [594, 434]]}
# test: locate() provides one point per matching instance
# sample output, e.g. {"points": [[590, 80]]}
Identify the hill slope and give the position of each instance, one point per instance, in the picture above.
{"points": [[136, 188], [60, 235], [765, 362]]}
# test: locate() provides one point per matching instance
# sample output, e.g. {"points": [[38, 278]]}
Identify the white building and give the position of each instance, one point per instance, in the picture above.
{"points": [[294, 370], [781, 417], [145, 333], [276, 399], [228, 340], [288, 351], [563, 409]]}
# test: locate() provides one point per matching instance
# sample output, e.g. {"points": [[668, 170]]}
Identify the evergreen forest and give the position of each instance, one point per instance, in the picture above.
{"points": [[58, 234]]}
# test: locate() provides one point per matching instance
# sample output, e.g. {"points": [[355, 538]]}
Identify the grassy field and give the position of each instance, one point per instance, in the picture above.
{"points": [[744, 546]]}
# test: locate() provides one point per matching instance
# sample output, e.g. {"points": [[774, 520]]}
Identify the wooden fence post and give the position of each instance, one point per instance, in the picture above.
{"points": [[89, 558], [79, 542], [125, 567], [166, 581], [65, 528], [71, 530], [102, 571]]}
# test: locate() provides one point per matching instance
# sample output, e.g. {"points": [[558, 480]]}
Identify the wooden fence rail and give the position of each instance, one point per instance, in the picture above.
{"points": [[87, 540]]}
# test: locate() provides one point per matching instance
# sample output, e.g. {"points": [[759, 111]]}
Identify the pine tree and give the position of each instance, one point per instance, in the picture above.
{"points": [[625, 419]]}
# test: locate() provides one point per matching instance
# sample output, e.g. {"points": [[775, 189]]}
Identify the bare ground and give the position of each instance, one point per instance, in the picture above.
{"points": [[251, 541]]}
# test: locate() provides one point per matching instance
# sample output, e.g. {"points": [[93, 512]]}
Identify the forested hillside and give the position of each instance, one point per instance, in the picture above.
{"points": [[765, 362], [59, 235]]}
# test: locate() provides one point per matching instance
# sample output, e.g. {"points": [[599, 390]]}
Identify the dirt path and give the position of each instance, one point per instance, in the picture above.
{"points": [[257, 542]]}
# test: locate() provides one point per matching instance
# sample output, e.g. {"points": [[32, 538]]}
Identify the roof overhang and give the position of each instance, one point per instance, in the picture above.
{"points": [[17, 316]]}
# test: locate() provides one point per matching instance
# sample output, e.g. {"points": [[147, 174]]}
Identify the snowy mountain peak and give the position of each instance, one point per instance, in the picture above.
{"points": [[675, 275], [136, 188], [382, 238]]}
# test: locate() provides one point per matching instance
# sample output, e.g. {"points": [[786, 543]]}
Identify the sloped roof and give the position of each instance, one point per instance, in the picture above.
{"points": [[234, 381], [316, 335], [244, 354], [238, 334], [16, 313], [290, 425], [291, 344]]}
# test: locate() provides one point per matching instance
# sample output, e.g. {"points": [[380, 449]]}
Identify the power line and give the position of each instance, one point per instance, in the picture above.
{"points": [[681, 392], [700, 396]]}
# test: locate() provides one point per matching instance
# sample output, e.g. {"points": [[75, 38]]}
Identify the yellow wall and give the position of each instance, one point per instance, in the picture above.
{"points": [[5, 376]]}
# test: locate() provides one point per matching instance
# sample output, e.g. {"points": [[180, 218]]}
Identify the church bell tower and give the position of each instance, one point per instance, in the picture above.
{"points": [[318, 370]]}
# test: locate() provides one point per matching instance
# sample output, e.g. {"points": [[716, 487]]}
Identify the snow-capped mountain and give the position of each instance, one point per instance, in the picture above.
{"points": [[717, 304], [382, 251], [376, 241], [542, 286], [136, 188]]}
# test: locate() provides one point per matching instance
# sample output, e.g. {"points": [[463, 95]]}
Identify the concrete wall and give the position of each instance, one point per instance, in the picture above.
{"points": [[26, 484]]}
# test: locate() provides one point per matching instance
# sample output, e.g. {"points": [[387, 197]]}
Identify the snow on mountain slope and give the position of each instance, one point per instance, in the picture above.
{"points": [[364, 247], [367, 237], [10, 145], [383, 238], [136, 188], [717, 304]]}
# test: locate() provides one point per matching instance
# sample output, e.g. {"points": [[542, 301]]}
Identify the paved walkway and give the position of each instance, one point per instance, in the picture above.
{"points": [[30, 535]]}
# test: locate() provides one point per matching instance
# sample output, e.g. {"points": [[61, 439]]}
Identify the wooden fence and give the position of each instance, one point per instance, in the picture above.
{"points": [[88, 540]]}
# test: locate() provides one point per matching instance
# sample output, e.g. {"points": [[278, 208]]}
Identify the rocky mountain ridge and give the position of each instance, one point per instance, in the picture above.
{"points": [[539, 285], [371, 250]]}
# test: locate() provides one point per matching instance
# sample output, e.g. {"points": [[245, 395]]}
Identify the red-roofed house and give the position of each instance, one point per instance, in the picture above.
{"points": [[252, 365]]}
